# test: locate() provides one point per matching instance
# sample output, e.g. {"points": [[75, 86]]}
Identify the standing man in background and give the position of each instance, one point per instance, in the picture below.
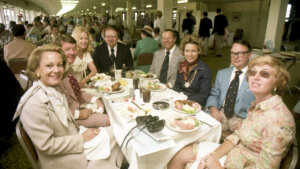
{"points": [[204, 31], [220, 23]]}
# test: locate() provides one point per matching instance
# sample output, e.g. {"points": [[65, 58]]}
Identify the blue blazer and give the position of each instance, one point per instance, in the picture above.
{"points": [[219, 91]]}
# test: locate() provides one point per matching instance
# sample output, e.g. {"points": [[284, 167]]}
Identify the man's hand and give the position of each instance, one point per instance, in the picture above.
{"points": [[100, 103], [215, 113], [84, 113]]}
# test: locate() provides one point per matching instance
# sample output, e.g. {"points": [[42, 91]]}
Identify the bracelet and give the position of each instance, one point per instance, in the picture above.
{"points": [[214, 153]]}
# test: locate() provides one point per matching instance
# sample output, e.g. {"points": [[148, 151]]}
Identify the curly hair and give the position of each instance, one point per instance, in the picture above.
{"points": [[76, 35], [191, 39], [282, 76], [36, 56]]}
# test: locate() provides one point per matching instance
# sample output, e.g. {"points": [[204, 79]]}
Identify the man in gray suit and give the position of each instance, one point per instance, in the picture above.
{"points": [[165, 61], [230, 111]]}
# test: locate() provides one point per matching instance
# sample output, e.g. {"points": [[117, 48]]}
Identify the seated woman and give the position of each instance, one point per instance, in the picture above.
{"points": [[45, 115], [265, 135], [83, 60], [194, 76]]}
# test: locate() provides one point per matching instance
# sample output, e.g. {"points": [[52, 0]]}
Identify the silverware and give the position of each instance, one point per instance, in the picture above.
{"points": [[139, 107]]}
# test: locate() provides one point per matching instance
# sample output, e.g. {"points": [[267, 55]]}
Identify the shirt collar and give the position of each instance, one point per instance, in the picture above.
{"points": [[244, 70], [171, 51], [267, 104]]}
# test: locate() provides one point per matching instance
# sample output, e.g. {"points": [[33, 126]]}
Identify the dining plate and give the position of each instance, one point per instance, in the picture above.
{"points": [[186, 106], [148, 76], [154, 86], [131, 112], [101, 77], [182, 123], [106, 88]]}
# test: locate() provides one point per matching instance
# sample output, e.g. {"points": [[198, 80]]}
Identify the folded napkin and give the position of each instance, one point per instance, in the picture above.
{"points": [[98, 147]]}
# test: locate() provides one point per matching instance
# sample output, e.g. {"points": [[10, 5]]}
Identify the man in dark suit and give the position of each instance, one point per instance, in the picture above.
{"points": [[111, 53], [220, 23], [204, 27]]}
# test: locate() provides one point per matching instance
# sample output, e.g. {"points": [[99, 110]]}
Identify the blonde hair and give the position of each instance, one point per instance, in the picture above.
{"points": [[76, 35], [282, 76], [191, 39], [36, 56]]}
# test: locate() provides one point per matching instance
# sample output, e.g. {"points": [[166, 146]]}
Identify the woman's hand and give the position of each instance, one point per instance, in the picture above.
{"points": [[85, 113], [82, 82], [90, 133], [210, 161]]}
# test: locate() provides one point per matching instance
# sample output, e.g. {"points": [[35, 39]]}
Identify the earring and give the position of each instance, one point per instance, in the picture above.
{"points": [[38, 75], [275, 89]]}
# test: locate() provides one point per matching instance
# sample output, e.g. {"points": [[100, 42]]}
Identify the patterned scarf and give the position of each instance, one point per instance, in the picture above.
{"points": [[185, 66]]}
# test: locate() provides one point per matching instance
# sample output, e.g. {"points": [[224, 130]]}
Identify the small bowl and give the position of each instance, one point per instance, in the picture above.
{"points": [[160, 105]]}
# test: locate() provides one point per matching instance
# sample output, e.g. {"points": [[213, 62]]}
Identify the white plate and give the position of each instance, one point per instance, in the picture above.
{"points": [[130, 115], [144, 76], [161, 88], [100, 77], [173, 127], [119, 91], [181, 111]]}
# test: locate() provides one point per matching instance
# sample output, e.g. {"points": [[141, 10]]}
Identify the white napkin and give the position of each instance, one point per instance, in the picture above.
{"points": [[94, 108], [98, 147], [204, 149]]}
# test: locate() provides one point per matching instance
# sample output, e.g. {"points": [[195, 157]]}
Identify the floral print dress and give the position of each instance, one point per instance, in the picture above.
{"points": [[264, 137]]}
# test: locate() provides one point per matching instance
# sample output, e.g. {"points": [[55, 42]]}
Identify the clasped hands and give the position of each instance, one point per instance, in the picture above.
{"points": [[210, 161]]}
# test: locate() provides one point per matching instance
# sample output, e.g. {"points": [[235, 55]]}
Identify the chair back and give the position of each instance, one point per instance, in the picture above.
{"points": [[27, 146], [144, 59], [16, 65], [291, 159]]}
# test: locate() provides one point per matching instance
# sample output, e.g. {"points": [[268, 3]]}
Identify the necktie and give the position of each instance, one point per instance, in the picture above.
{"points": [[231, 95], [112, 55], [164, 69], [75, 86]]}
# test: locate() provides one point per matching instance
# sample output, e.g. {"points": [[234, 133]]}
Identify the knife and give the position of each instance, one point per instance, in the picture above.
{"points": [[139, 107]]}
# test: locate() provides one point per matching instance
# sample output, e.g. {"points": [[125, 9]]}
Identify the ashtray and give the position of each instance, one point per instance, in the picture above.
{"points": [[160, 105]]}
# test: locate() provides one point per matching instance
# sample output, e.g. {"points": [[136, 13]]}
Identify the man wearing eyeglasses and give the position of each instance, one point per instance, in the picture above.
{"points": [[111, 53], [230, 96]]}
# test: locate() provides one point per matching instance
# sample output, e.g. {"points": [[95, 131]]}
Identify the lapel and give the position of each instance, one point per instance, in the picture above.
{"points": [[242, 89], [175, 57], [226, 80], [160, 60]]}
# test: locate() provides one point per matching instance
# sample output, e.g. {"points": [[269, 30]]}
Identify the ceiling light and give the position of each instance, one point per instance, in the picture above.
{"points": [[67, 5], [103, 4], [149, 6], [182, 1], [95, 7], [119, 9], [133, 7]]}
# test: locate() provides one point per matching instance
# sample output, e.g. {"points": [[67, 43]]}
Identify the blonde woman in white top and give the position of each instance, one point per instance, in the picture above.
{"points": [[83, 59]]}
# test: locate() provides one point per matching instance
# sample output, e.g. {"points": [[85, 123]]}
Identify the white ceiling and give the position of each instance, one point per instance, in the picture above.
{"points": [[53, 6]]}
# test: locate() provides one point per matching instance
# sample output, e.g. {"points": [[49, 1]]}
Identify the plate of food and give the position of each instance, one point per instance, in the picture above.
{"points": [[182, 123], [148, 76], [100, 76], [154, 86], [186, 106], [131, 112], [112, 88]]}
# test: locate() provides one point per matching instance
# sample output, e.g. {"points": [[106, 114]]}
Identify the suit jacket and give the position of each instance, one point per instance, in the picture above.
{"points": [[200, 86], [57, 146], [158, 60], [204, 27], [94, 120], [220, 23], [18, 48], [219, 91], [103, 61]]}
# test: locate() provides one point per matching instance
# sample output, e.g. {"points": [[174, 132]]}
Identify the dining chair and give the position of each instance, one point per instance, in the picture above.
{"points": [[144, 59], [17, 65], [27, 146], [291, 159]]}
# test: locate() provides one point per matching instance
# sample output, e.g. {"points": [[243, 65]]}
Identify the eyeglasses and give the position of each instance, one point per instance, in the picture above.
{"points": [[239, 54], [263, 73]]}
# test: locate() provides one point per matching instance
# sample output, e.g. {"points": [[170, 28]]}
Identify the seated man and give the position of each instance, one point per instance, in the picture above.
{"points": [[18, 48], [112, 53], [165, 61], [5, 35], [87, 117], [230, 96]]}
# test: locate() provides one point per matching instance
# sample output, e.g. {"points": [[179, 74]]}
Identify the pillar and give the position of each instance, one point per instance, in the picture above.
{"points": [[276, 21], [166, 6]]}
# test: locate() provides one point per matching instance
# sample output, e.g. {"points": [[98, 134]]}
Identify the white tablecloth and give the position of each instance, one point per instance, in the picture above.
{"points": [[160, 159]]}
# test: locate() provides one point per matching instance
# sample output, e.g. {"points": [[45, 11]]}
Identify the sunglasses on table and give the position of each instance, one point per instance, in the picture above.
{"points": [[263, 73]]}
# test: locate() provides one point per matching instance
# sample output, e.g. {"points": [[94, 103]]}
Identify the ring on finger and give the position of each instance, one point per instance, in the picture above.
{"points": [[95, 131]]}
